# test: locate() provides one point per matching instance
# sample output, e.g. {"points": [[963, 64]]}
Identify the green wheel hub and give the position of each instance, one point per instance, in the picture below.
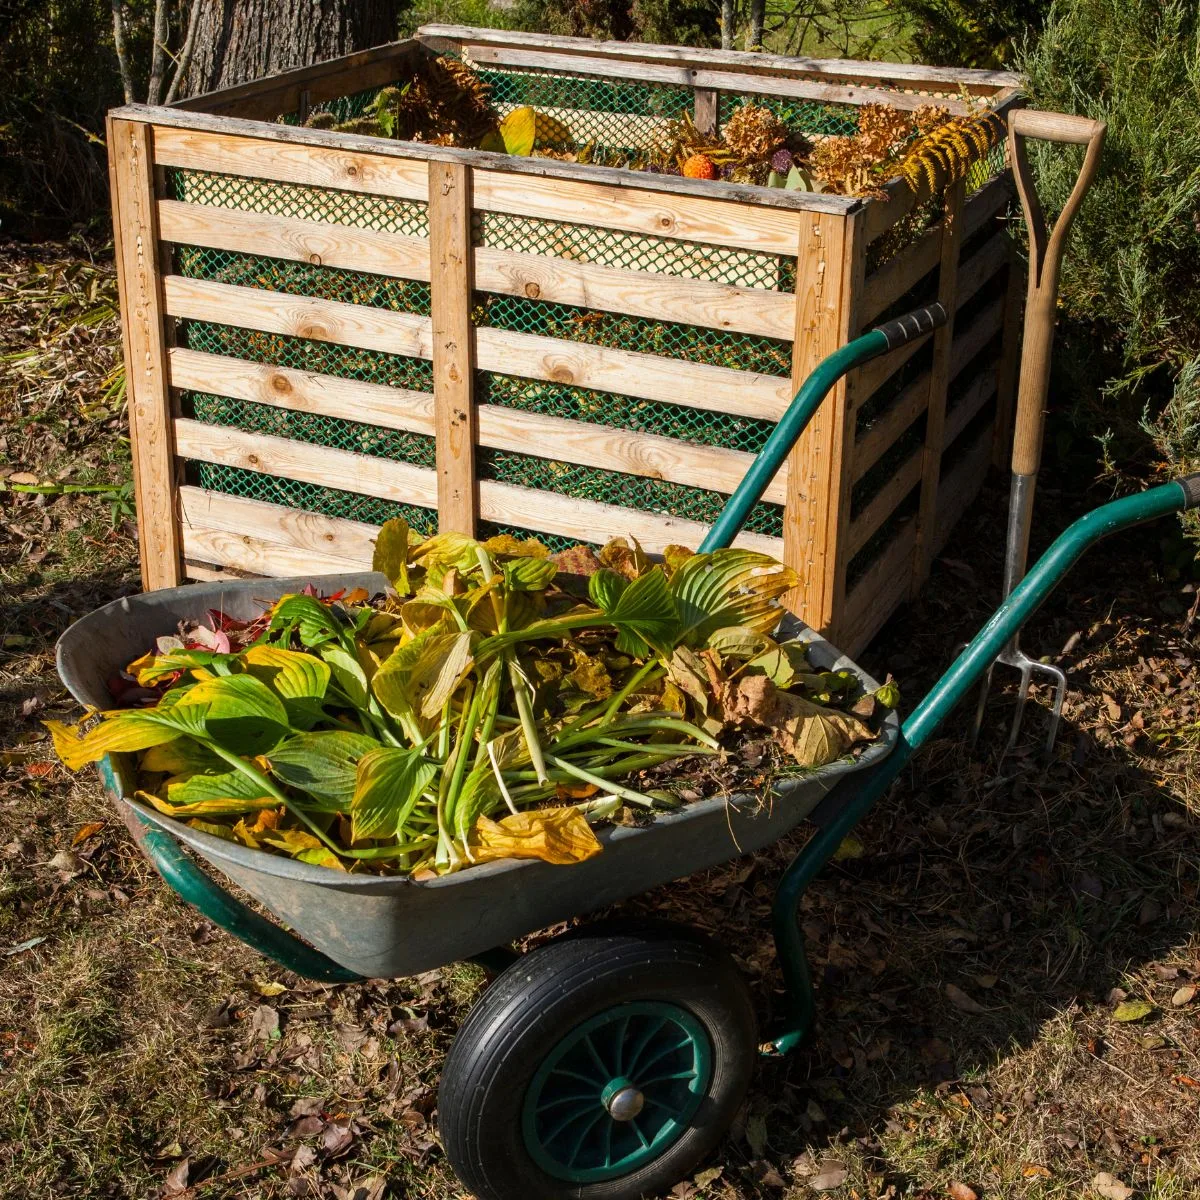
{"points": [[617, 1092]]}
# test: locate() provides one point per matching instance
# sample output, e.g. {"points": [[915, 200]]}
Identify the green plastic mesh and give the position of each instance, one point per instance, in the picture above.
{"points": [[409, 217], [801, 116], [635, 252], [625, 491], [552, 541], [393, 444], [290, 493], [623, 412], [301, 354], [980, 171], [617, 331], [303, 279]]}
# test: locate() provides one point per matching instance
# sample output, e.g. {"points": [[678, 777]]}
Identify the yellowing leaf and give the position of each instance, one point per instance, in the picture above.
{"points": [[212, 829], [849, 847], [555, 835], [120, 731], [268, 987], [389, 783], [292, 675], [390, 558], [518, 131], [227, 806], [86, 831], [1132, 1010], [180, 757], [423, 674], [303, 846]]}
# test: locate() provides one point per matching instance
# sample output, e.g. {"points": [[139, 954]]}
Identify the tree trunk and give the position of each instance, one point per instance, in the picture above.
{"points": [[240, 40], [758, 14], [728, 23]]}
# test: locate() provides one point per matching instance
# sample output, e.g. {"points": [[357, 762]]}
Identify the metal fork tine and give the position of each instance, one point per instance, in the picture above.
{"points": [[981, 705], [1022, 696]]}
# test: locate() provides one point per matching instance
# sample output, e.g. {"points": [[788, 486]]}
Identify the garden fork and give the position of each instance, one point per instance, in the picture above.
{"points": [[1045, 258]]}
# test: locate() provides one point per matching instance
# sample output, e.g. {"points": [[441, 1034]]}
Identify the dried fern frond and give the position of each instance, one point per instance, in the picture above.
{"points": [[948, 151]]}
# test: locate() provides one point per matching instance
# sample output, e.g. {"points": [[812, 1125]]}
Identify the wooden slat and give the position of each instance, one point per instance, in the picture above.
{"points": [[971, 340], [871, 376], [556, 360], [961, 487], [701, 77], [977, 82], [886, 285], [455, 418], [590, 521], [139, 279], [316, 242], [499, 427], [706, 111], [641, 293], [984, 265], [299, 316], [939, 380], [828, 268], [978, 392], [878, 591], [714, 222], [320, 465], [987, 203], [533, 276], [241, 153], [277, 94], [885, 502], [285, 541], [883, 432], [372, 148], [203, 573]]}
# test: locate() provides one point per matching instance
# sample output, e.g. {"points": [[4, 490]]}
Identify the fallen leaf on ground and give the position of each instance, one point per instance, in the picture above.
{"points": [[962, 1001], [21, 947], [1110, 1187], [268, 987], [1185, 995], [1132, 1010], [1035, 1171], [960, 1191], [830, 1174], [86, 831], [177, 1178], [265, 1023]]}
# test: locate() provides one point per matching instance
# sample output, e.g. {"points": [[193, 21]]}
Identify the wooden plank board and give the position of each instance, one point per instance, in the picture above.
{"points": [[204, 573], [323, 466], [590, 521], [885, 502], [977, 82], [968, 405], [708, 78], [706, 111], [960, 487], [640, 293], [989, 202], [633, 210], [250, 153], [939, 380], [983, 266], [499, 427], [886, 285], [455, 418], [555, 360], [139, 279], [878, 591], [319, 243], [277, 94], [348, 145], [883, 432], [971, 340], [284, 541]]}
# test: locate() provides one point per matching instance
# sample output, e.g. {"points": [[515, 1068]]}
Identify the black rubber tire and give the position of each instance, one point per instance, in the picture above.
{"points": [[553, 990]]}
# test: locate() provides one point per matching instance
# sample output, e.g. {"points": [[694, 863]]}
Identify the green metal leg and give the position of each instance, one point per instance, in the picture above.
{"points": [[847, 804]]}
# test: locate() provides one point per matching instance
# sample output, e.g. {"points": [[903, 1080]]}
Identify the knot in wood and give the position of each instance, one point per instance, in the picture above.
{"points": [[315, 259], [666, 221], [280, 384], [561, 373], [252, 459], [352, 170], [532, 290]]}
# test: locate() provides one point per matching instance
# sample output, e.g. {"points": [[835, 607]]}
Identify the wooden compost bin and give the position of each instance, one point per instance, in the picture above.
{"points": [[323, 330]]}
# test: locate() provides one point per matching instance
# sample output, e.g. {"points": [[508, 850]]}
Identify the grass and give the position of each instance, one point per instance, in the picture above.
{"points": [[135, 1036]]}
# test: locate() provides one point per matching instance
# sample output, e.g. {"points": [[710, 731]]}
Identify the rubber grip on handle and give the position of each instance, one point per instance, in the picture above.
{"points": [[913, 325], [1191, 490]]}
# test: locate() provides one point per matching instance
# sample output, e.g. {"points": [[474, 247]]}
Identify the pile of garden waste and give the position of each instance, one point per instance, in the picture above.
{"points": [[497, 704]]}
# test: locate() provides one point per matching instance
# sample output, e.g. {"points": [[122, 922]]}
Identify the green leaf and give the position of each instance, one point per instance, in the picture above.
{"points": [[528, 574], [312, 621], [420, 676], [389, 783], [292, 675], [775, 180], [126, 730], [323, 764], [605, 587], [347, 672], [729, 587], [798, 181], [889, 694], [443, 552], [735, 642], [239, 713], [229, 784], [645, 615], [391, 553], [1132, 1010]]}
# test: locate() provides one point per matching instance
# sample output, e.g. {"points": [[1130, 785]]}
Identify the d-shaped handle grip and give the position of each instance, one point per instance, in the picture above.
{"points": [[1045, 258]]}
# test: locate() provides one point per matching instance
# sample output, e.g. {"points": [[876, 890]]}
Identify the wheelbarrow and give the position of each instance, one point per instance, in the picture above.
{"points": [[606, 1063]]}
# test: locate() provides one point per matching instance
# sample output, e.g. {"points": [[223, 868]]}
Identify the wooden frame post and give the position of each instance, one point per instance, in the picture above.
{"points": [[939, 381], [829, 271], [706, 111], [455, 417], [151, 413]]}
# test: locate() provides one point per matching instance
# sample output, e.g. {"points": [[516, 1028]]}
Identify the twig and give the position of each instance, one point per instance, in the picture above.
{"points": [[183, 64], [158, 56], [122, 49]]}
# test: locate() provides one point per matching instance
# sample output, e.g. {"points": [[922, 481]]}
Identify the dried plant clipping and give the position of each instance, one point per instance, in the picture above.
{"points": [[883, 130], [754, 133], [947, 152], [845, 165]]}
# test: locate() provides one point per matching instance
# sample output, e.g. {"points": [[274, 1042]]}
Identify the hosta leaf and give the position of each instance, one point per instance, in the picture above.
{"points": [[313, 622], [735, 641], [423, 674], [390, 558], [388, 785], [645, 615], [152, 667], [292, 675], [180, 757], [687, 672], [518, 131], [215, 807], [444, 552], [729, 587], [238, 712], [555, 835], [303, 846], [347, 672], [324, 764], [528, 574], [605, 587], [124, 730], [230, 784]]}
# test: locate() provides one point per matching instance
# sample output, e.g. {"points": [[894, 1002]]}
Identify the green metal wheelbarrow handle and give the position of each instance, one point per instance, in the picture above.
{"points": [[848, 803]]}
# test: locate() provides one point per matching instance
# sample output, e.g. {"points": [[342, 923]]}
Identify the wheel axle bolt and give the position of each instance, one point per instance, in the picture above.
{"points": [[625, 1104]]}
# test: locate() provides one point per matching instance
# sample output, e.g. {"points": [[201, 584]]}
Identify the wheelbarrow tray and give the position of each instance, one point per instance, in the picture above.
{"points": [[384, 927]]}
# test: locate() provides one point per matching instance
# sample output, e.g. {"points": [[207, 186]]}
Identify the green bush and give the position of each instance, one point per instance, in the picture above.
{"points": [[1133, 263], [970, 33]]}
